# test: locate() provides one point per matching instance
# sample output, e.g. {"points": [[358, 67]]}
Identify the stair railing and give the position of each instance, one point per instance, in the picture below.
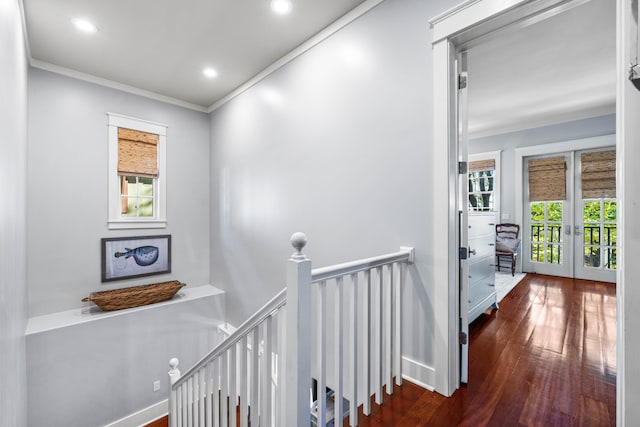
{"points": [[262, 375]]}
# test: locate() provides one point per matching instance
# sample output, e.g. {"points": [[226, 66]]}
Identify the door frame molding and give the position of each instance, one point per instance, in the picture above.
{"points": [[603, 141]]}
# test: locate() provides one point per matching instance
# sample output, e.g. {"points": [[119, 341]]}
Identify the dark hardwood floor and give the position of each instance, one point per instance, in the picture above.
{"points": [[546, 358]]}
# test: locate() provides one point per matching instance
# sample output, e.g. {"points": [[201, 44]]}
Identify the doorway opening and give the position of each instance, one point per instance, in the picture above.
{"points": [[465, 32]]}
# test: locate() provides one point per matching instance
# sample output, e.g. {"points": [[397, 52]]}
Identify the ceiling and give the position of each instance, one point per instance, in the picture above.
{"points": [[559, 69], [162, 46]]}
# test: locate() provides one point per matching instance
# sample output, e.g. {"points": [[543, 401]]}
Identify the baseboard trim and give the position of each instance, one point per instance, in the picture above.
{"points": [[144, 416], [418, 373]]}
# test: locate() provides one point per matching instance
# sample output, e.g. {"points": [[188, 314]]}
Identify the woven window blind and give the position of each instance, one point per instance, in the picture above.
{"points": [[137, 153], [547, 179], [482, 165], [599, 174]]}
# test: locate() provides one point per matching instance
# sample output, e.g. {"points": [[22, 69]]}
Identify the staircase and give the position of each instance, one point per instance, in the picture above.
{"points": [[327, 343]]}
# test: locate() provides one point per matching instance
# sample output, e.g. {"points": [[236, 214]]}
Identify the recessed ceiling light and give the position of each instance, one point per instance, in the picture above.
{"points": [[85, 25], [210, 72], [281, 7]]}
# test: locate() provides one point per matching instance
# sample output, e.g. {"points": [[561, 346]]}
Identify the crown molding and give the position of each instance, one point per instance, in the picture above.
{"points": [[113, 85]]}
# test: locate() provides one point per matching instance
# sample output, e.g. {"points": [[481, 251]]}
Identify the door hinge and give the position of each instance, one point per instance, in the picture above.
{"points": [[462, 338], [462, 167], [462, 81], [462, 253]]}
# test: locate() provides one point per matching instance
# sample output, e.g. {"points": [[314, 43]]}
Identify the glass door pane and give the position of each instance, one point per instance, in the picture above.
{"points": [[599, 240], [546, 222]]}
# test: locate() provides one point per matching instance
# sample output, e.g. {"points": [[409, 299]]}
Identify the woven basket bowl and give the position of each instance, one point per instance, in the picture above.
{"points": [[118, 299]]}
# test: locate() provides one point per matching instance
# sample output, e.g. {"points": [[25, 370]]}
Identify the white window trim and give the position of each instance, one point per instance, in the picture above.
{"points": [[495, 156], [115, 220]]}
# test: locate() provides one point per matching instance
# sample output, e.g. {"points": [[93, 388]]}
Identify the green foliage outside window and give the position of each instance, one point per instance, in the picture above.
{"points": [[139, 197]]}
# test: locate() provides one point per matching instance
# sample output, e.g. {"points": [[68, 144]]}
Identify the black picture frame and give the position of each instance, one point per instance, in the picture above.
{"points": [[130, 257]]}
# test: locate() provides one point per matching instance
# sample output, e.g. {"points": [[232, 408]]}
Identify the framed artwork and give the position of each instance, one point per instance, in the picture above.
{"points": [[129, 257]]}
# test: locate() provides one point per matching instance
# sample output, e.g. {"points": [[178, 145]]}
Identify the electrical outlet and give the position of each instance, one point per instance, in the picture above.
{"points": [[156, 385]]}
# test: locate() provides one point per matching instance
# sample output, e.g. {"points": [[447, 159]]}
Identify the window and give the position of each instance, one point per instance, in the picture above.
{"points": [[484, 182], [137, 165]]}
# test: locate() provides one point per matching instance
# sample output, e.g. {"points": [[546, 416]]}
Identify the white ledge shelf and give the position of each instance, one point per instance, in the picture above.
{"points": [[77, 316]]}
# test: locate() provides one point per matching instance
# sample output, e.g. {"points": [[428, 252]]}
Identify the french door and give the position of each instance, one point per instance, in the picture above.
{"points": [[571, 231]]}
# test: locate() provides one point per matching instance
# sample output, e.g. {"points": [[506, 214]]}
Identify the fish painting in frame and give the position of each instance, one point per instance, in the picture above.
{"points": [[130, 257]]}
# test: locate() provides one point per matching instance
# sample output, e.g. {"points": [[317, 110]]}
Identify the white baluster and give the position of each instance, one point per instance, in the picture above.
{"points": [[208, 390], [182, 410], [233, 386], [298, 341], [196, 399], [185, 403], [244, 404], [387, 333], [398, 325], [189, 383], [339, 353], [265, 414], [322, 353], [203, 395], [174, 375], [353, 352], [366, 343], [255, 377], [215, 389], [224, 390], [378, 346], [281, 389]]}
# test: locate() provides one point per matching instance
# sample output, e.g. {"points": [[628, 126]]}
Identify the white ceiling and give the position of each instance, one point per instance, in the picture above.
{"points": [[162, 46], [560, 69]]}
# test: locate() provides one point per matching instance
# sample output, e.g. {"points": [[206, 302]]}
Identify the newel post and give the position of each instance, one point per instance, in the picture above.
{"points": [[298, 336], [174, 375]]}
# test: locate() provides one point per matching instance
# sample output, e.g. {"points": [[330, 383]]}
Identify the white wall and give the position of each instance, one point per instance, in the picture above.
{"points": [[508, 142], [13, 282], [102, 370], [67, 181], [337, 144]]}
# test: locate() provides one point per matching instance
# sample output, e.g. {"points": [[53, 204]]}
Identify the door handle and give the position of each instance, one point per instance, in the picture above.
{"points": [[577, 231], [472, 251], [567, 230]]}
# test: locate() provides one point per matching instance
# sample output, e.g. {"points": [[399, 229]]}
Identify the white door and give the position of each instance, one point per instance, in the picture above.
{"points": [[574, 235], [546, 236], [463, 291], [595, 228]]}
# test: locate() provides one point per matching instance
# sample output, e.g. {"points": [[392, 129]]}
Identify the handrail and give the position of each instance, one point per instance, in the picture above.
{"points": [[267, 310], [338, 270]]}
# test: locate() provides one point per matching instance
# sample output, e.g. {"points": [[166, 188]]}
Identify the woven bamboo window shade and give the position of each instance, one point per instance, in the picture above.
{"points": [[599, 174], [482, 165], [547, 179], [137, 153]]}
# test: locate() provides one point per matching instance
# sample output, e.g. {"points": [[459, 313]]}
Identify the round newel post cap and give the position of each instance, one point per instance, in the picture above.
{"points": [[173, 363], [298, 241], [174, 372]]}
